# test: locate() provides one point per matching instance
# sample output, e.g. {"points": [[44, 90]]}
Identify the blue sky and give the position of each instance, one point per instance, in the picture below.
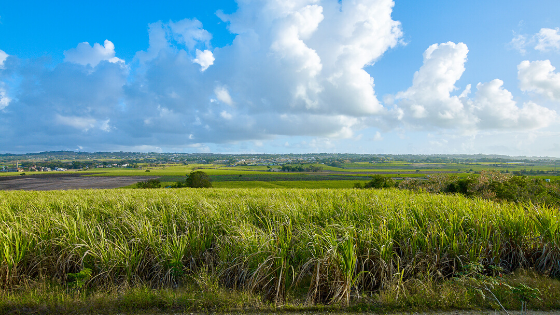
{"points": [[361, 76]]}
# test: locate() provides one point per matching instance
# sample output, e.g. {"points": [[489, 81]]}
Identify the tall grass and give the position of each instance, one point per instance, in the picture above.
{"points": [[333, 244]]}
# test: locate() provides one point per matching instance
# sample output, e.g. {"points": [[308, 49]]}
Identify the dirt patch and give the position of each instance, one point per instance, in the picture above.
{"points": [[66, 182]]}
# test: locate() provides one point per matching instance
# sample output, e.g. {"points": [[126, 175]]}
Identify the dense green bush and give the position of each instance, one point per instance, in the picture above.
{"points": [[378, 181], [150, 183], [198, 179]]}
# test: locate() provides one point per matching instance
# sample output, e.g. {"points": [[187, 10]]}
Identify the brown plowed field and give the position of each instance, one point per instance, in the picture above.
{"points": [[67, 181]]}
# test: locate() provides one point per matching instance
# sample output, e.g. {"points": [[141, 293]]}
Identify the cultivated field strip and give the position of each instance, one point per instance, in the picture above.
{"points": [[328, 243]]}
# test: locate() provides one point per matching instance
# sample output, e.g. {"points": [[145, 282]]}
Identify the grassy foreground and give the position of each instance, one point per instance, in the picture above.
{"points": [[225, 249]]}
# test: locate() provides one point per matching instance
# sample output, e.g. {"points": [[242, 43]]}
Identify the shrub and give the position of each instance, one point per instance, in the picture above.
{"points": [[378, 181], [151, 183], [179, 185], [198, 179], [460, 186]]}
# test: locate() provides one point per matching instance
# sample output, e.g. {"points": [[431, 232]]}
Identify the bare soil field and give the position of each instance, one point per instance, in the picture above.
{"points": [[67, 181]]}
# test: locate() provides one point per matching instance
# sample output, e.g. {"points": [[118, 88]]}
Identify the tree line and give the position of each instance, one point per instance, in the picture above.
{"points": [[196, 179], [301, 168], [491, 185]]}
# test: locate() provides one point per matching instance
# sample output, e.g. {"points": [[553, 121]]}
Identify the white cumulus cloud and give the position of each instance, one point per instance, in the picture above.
{"points": [[548, 39], [429, 102], [85, 54], [204, 58], [539, 76], [495, 109], [295, 68]]}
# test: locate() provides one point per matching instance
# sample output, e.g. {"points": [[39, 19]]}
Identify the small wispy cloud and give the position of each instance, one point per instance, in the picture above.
{"points": [[84, 54], [547, 39]]}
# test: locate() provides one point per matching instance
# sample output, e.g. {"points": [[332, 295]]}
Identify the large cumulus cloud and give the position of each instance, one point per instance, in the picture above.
{"points": [[429, 103], [61, 106], [294, 68]]}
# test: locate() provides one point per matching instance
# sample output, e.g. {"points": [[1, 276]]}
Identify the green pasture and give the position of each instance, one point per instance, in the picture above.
{"points": [[397, 170], [432, 167], [174, 171], [329, 184], [249, 168], [26, 173], [8, 174]]}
